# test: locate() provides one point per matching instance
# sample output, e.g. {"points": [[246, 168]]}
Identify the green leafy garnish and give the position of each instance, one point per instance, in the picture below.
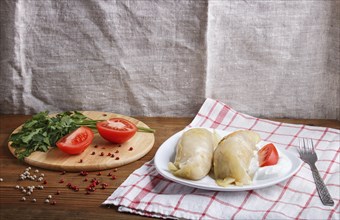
{"points": [[42, 131]]}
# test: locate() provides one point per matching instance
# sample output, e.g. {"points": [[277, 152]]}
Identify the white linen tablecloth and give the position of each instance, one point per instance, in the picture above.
{"points": [[147, 193]]}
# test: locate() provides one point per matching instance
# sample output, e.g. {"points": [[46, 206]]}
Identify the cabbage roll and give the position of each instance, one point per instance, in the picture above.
{"points": [[194, 152], [232, 158]]}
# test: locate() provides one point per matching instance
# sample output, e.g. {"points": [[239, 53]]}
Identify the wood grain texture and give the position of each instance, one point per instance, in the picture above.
{"points": [[100, 155], [78, 205]]}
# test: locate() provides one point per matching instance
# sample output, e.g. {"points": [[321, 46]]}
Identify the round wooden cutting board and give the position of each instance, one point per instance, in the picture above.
{"points": [[130, 151]]}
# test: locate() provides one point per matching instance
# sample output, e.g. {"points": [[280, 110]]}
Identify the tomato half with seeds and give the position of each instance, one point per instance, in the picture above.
{"points": [[116, 130], [268, 155], [77, 141]]}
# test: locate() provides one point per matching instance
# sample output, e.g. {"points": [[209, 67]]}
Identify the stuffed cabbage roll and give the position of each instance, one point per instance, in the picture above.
{"points": [[194, 152], [232, 158]]}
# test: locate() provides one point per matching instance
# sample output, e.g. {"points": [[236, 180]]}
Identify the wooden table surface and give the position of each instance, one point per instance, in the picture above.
{"points": [[79, 205]]}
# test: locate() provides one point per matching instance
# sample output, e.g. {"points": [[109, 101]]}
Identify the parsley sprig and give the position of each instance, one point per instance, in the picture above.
{"points": [[42, 131]]}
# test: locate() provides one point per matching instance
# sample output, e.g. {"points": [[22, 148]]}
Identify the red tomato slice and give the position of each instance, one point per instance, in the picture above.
{"points": [[116, 130], [268, 155], [77, 141]]}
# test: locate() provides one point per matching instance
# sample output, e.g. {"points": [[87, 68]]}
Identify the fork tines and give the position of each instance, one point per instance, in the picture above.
{"points": [[306, 146]]}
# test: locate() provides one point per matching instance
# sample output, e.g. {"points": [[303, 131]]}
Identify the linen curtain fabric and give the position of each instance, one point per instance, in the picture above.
{"points": [[164, 58]]}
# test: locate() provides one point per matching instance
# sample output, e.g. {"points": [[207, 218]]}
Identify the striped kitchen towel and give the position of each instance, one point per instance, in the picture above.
{"points": [[147, 193]]}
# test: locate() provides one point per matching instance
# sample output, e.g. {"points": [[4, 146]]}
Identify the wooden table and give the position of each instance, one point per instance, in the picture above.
{"points": [[79, 205]]}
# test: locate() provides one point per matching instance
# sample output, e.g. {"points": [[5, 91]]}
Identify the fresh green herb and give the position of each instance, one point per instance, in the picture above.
{"points": [[42, 132], [147, 130]]}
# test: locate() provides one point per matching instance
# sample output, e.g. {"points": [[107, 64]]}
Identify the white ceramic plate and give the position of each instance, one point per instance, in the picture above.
{"points": [[287, 166]]}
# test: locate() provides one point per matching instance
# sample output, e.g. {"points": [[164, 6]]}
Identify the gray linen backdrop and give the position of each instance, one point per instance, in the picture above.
{"points": [[267, 58]]}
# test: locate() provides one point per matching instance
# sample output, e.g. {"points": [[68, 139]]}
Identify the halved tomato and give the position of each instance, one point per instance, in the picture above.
{"points": [[116, 130], [268, 155], [77, 141]]}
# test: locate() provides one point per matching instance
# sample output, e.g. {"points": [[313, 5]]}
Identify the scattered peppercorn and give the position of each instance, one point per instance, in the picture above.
{"points": [[131, 148], [62, 173], [61, 181], [84, 173], [81, 160], [117, 158], [104, 185], [93, 153], [102, 154]]}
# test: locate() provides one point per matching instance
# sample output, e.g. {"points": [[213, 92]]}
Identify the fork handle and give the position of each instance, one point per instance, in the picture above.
{"points": [[325, 197]]}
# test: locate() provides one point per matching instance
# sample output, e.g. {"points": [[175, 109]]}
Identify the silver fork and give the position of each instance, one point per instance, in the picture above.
{"points": [[308, 155]]}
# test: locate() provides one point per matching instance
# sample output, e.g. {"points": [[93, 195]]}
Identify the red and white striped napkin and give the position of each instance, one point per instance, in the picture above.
{"points": [[147, 193]]}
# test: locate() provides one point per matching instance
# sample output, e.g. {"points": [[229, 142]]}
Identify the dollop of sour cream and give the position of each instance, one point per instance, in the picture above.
{"points": [[278, 170]]}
